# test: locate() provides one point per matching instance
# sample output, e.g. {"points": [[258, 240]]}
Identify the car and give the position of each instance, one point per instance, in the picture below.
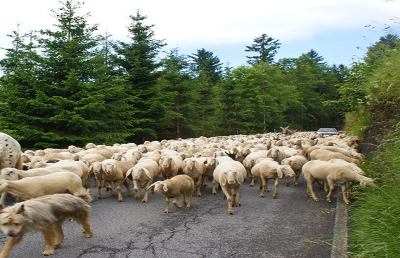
{"points": [[327, 131]]}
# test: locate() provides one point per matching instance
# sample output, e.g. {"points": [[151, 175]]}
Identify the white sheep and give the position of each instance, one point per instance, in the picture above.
{"points": [[230, 175], [170, 165], [296, 162], [322, 154], [143, 174], [332, 173], [180, 185], [195, 168], [32, 187], [270, 169]]}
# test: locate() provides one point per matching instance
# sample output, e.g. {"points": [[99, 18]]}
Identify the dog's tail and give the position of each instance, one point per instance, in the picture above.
{"points": [[84, 194]]}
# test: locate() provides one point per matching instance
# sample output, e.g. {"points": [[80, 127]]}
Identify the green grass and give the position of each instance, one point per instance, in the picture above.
{"points": [[356, 122], [375, 213]]}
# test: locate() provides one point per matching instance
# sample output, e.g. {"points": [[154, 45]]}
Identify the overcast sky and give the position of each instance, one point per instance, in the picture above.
{"points": [[335, 28]]}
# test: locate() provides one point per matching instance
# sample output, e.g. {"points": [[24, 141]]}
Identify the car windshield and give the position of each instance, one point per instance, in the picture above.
{"points": [[327, 130]]}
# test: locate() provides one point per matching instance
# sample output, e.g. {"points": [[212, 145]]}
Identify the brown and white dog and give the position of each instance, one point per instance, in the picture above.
{"points": [[47, 214]]}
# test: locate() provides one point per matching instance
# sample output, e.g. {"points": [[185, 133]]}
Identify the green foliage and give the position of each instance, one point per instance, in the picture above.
{"points": [[138, 65], [376, 211], [265, 47]]}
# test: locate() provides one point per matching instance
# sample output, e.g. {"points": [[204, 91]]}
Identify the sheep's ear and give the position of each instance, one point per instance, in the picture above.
{"points": [[223, 180], [128, 173], [147, 173], [165, 187], [279, 172], [21, 209], [151, 186]]}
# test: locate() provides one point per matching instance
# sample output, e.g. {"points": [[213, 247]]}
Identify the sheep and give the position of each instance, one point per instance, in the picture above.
{"points": [[32, 187], [296, 162], [10, 152], [180, 185], [251, 160], [270, 169], [115, 171], [280, 153], [322, 154], [97, 171], [170, 165], [195, 168], [332, 173], [230, 175], [77, 167], [143, 174]]}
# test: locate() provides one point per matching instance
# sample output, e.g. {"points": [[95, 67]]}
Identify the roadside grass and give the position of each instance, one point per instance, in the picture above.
{"points": [[375, 213], [356, 122]]}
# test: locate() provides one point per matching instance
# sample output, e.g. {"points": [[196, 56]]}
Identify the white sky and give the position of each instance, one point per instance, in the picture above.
{"points": [[185, 22]]}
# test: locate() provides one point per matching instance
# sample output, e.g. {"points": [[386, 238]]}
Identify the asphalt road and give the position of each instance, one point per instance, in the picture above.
{"points": [[290, 226]]}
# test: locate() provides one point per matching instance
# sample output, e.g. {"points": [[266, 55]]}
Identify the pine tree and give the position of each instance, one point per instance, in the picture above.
{"points": [[265, 47], [207, 72], [138, 64], [177, 96], [17, 89]]}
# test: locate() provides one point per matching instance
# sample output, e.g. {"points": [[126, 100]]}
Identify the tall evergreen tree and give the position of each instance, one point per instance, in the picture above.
{"points": [[207, 71], [138, 63], [265, 48], [17, 88], [177, 96]]}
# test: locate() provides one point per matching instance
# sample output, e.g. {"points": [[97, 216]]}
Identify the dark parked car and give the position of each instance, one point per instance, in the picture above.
{"points": [[327, 131]]}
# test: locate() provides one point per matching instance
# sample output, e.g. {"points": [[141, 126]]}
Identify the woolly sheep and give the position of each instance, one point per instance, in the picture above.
{"points": [[180, 185], [230, 175]]}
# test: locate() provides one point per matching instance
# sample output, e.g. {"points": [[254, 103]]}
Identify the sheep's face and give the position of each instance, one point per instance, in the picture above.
{"points": [[231, 177], [9, 174], [274, 153], [166, 162], [367, 182], [288, 171], [160, 187]]}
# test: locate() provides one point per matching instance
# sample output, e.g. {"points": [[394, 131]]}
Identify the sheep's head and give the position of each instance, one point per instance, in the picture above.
{"points": [[287, 171], [274, 153], [9, 174], [166, 162], [159, 186], [366, 181], [230, 177]]}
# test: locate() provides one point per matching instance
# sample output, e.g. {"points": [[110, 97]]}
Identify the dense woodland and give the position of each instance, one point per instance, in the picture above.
{"points": [[70, 85]]}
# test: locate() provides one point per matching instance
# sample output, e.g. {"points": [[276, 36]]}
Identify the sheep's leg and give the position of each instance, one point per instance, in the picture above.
{"points": [[128, 189], [146, 193], [237, 200], [86, 227], [119, 194], [348, 184], [286, 181], [262, 186], [276, 183], [98, 184], [253, 180], [296, 179], [8, 245], [214, 185], [198, 185], [345, 193], [136, 189], [3, 199], [166, 208], [189, 200], [331, 186], [266, 186], [310, 190], [229, 199]]}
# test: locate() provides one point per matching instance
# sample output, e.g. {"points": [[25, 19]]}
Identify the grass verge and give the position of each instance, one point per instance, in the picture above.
{"points": [[375, 213]]}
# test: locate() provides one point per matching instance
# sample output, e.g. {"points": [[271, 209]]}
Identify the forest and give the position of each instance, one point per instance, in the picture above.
{"points": [[70, 85]]}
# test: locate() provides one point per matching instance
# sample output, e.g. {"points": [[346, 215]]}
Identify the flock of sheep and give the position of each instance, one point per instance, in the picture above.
{"points": [[185, 165]]}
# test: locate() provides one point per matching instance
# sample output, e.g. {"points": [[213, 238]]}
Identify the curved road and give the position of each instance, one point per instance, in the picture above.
{"points": [[289, 226]]}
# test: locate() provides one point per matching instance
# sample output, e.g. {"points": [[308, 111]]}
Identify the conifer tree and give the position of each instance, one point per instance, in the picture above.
{"points": [[138, 65]]}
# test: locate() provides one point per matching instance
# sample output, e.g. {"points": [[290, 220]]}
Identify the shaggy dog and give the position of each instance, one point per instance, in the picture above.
{"points": [[47, 214]]}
